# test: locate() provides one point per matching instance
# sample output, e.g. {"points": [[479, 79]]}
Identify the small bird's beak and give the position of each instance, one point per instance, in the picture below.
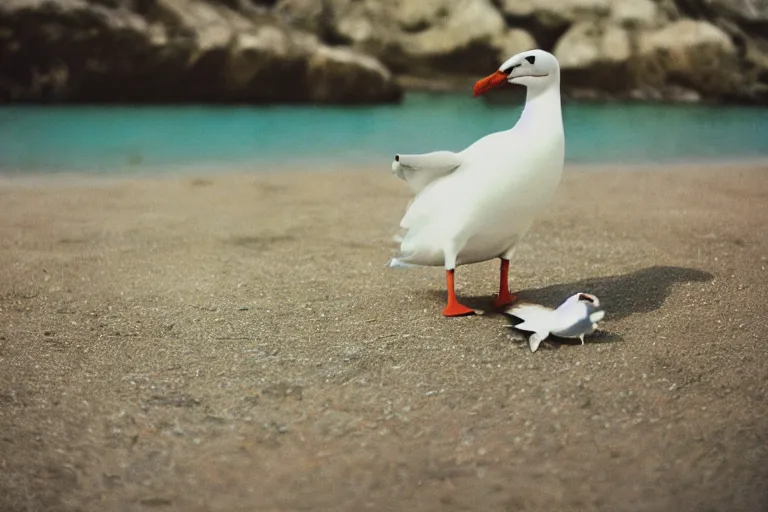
{"points": [[489, 82]]}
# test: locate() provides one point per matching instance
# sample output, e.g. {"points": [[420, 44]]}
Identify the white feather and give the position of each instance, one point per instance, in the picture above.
{"points": [[396, 263]]}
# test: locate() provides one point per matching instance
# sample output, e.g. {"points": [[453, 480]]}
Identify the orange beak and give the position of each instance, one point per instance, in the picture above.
{"points": [[489, 82]]}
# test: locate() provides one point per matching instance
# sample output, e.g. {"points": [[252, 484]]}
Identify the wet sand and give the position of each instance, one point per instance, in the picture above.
{"points": [[235, 343]]}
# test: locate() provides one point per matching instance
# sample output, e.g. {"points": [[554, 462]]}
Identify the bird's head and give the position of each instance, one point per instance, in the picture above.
{"points": [[591, 304], [587, 299], [534, 69]]}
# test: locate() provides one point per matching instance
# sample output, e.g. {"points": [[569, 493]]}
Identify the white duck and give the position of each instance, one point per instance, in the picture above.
{"points": [[477, 204]]}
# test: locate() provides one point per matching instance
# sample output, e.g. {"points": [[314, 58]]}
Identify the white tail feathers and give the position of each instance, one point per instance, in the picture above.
{"points": [[396, 263]]}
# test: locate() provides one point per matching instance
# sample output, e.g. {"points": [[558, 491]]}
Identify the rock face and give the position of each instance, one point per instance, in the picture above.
{"points": [[315, 50], [692, 54], [683, 60], [461, 37], [751, 11], [593, 52], [644, 49], [173, 51], [555, 13]]}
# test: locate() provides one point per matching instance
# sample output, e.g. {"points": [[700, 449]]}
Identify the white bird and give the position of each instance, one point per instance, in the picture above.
{"points": [[477, 204], [574, 318]]}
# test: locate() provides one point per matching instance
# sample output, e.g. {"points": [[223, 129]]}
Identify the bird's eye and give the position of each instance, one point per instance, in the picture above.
{"points": [[531, 59], [586, 298]]}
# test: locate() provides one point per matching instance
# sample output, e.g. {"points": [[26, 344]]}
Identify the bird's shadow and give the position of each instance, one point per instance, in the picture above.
{"points": [[642, 291]]}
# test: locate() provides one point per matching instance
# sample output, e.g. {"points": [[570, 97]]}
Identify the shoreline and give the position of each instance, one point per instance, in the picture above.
{"points": [[74, 178], [414, 84]]}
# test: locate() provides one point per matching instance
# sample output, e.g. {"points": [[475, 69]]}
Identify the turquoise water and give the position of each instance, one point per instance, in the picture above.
{"points": [[144, 139]]}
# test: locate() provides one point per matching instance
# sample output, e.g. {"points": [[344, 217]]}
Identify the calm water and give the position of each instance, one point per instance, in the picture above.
{"points": [[141, 139]]}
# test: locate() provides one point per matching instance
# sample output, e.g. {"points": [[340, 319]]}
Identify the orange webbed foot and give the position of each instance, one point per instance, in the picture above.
{"points": [[457, 309], [454, 308]]}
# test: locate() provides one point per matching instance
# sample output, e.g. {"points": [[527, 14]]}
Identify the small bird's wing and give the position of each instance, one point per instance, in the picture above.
{"points": [[535, 340], [535, 316], [421, 170], [596, 316]]}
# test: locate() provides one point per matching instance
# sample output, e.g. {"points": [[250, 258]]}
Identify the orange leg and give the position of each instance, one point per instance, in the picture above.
{"points": [[454, 308], [504, 297]]}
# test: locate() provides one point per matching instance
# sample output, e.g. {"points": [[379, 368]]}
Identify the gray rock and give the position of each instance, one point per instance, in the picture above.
{"points": [[669, 9], [594, 54], [589, 44], [690, 54], [744, 10], [315, 50], [419, 16], [180, 50], [547, 20], [637, 14], [462, 39], [452, 36], [341, 75], [311, 15], [512, 42], [358, 22], [556, 13]]}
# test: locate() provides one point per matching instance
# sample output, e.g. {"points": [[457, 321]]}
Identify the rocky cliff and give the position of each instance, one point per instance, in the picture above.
{"points": [[344, 50], [646, 49], [174, 51]]}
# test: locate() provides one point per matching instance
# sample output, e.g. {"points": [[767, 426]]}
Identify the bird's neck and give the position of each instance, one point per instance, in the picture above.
{"points": [[543, 106]]}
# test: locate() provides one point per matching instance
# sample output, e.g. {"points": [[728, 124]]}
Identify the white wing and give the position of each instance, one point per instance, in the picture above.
{"points": [[596, 316], [535, 317], [420, 170]]}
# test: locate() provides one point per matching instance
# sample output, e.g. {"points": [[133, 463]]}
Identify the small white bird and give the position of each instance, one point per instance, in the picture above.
{"points": [[477, 204], [574, 318]]}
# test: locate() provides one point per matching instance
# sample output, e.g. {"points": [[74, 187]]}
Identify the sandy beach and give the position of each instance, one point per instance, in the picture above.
{"points": [[236, 343]]}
